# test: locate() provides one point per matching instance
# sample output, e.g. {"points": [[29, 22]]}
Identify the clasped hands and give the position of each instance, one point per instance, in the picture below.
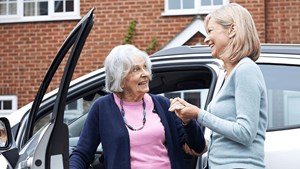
{"points": [[184, 110]]}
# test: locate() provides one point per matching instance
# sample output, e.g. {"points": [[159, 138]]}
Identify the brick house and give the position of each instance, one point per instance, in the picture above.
{"points": [[32, 31]]}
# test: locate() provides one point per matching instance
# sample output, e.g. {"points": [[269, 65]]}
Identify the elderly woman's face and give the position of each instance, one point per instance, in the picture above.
{"points": [[137, 80]]}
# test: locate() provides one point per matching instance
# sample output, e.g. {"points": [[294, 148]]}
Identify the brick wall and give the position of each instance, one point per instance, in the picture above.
{"points": [[27, 49], [283, 21]]}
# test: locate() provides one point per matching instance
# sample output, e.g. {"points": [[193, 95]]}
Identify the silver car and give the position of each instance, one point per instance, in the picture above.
{"points": [[43, 133]]}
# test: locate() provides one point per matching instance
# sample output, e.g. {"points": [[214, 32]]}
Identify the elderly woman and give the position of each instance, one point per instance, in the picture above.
{"points": [[135, 128]]}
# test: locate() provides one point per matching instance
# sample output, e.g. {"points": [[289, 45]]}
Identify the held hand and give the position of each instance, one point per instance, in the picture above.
{"points": [[189, 150], [184, 110], [192, 152]]}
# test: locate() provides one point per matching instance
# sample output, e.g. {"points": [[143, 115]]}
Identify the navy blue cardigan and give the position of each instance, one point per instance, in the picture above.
{"points": [[105, 124]]}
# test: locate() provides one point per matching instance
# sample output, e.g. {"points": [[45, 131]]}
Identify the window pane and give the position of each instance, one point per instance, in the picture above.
{"points": [[42, 8], [12, 9], [29, 9], [59, 6], [172, 95], [40, 123], [3, 10], [193, 98], [283, 95], [174, 4], [211, 2], [206, 2], [218, 2], [70, 5], [188, 4], [72, 106], [7, 105]]}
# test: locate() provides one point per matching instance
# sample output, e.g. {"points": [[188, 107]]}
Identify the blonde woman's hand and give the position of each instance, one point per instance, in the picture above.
{"points": [[184, 110]]}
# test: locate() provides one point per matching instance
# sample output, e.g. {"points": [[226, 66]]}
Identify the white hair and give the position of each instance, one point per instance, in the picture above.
{"points": [[118, 64]]}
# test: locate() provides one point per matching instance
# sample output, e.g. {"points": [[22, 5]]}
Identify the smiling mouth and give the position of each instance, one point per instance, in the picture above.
{"points": [[143, 83]]}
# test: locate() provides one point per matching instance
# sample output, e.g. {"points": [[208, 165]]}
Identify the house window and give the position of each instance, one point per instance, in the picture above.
{"points": [[12, 11], [195, 97], [8, 104], [191, 7]]}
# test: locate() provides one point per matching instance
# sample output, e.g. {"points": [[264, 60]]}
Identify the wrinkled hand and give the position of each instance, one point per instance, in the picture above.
{"points": [[192, 152], [184, 110], [189, 150]]}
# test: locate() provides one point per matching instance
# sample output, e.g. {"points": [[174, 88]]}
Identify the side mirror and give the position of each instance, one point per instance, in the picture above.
{"points": [[6, 139]]}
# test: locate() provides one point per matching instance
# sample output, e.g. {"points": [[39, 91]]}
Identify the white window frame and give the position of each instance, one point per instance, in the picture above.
{"points": [[13, 99], [196, 11], [52, 16]]}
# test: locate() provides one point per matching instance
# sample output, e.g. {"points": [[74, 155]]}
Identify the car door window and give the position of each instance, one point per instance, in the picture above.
{"points": [[73, 110], [76, 121], [284, 95]]}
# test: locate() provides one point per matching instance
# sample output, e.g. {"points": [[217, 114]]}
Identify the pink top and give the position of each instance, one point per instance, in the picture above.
{"points": [[147, 149]]}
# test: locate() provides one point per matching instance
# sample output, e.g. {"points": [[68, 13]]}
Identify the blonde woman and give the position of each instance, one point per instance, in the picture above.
{"points": [[237, 116]]}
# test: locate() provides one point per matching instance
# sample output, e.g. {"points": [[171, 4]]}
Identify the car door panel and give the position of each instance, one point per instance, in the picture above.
{"points": [[50, 148]]}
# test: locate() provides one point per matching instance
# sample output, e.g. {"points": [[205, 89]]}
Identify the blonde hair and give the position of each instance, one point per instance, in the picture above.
{"points": [[246, 41]]}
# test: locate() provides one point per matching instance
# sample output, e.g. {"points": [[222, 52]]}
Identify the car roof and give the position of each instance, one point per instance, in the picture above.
{"points": [[293, 49]]}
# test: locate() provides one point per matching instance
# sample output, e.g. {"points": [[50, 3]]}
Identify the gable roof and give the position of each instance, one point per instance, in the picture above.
{"points": [[197, 25]]}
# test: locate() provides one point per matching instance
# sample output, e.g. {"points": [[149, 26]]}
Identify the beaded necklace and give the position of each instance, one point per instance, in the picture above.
{"points": [[123, 115]]}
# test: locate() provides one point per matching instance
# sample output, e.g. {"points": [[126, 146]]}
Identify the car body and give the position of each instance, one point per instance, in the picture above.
{"points": [[46, 131]]}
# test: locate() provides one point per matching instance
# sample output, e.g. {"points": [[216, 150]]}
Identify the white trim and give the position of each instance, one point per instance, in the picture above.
{"points": [[179, 12], [37, 19], [197, 10], [59, 16], [197, 25]]}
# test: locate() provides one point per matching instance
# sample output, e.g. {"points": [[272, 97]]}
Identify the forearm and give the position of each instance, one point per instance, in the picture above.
{"points": [[194, 136], [238, 131]]}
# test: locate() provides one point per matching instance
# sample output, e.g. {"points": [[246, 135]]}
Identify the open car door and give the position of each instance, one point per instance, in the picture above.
{"points": [[51, 149]]}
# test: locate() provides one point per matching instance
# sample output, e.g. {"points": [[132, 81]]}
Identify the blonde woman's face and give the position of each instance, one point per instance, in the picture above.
{"points": [[217, 38], [136, 83]]}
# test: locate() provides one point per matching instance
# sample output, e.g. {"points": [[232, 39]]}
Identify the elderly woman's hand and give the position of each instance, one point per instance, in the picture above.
{"points": [[192, 152], [184, 110]]}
